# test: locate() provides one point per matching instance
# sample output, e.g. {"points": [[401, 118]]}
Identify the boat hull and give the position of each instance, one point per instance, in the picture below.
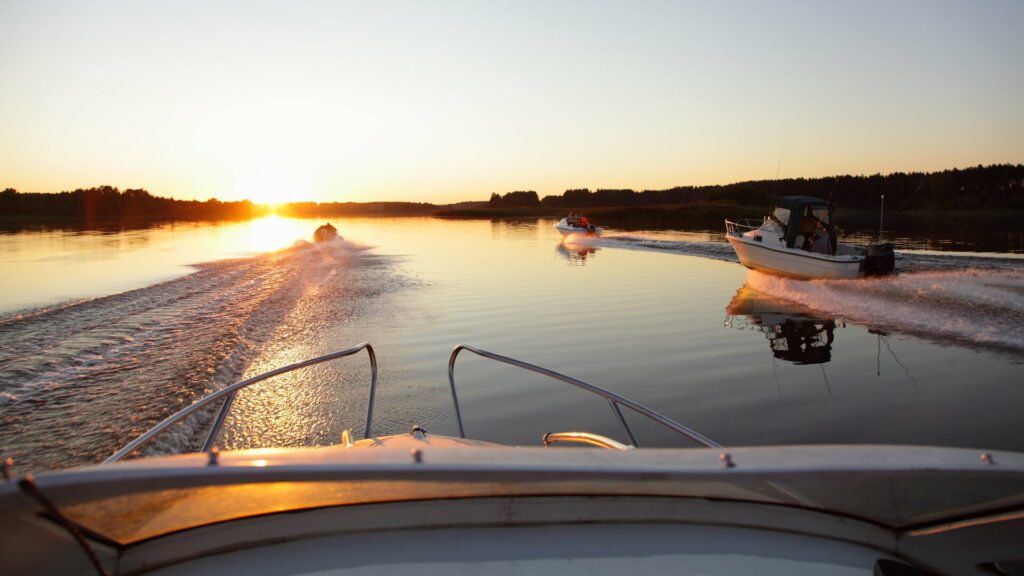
{"points": [[795, 263], [567, 230], [575, 225], [325, 233]]}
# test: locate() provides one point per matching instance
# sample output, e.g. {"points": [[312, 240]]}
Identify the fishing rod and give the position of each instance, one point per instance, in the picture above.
{"points": [[834, 184], [775, 183], [881, 215]]}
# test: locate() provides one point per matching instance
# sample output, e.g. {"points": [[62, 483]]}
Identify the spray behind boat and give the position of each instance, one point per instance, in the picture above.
{"points": [[881, 257]]}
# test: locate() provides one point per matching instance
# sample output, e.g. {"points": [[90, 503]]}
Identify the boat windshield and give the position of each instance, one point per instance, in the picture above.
{"points": [[782, 215], [821, 214]]}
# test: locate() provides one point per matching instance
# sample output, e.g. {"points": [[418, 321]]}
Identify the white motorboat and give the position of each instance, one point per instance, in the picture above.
{"points": [[573, 224], [798, 240], [325, 233], [426, 504]]}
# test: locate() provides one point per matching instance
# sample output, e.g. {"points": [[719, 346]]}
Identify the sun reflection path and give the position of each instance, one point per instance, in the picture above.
{"points": [[273, 233]]}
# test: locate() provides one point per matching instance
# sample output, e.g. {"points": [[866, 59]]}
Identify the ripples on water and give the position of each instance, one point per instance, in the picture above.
{"points": [[963, 297], [111, 368]]}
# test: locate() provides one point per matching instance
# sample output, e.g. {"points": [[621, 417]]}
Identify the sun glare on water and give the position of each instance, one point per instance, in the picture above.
{"points": [[274, 233]]}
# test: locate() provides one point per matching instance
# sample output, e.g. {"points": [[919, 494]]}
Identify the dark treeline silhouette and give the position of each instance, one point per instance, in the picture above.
{"points": [[518, 199], [984, 187], [996, 187], [108, 204], [316, 209]]}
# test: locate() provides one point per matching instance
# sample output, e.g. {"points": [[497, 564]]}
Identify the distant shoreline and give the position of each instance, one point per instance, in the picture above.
{"points": [[996, 190], [677, 213]]}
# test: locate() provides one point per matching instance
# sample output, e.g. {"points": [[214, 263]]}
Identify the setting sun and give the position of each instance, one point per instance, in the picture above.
{"points": [[271, 182]]}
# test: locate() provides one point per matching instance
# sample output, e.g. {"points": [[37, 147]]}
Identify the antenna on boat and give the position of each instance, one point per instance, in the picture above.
{"points": [[881, 215], [834, 184], [907, 199], [775, 183]]}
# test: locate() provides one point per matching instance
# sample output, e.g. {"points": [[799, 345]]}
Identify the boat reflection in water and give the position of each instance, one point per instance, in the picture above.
{"points": [[576, 253], [793, 335]]}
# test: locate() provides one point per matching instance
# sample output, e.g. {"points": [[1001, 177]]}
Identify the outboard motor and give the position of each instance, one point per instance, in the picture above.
{"points": [[881, 259]]}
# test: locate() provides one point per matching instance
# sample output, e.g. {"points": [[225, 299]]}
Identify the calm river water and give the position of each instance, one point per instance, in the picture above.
{"points": [[105, 333]]}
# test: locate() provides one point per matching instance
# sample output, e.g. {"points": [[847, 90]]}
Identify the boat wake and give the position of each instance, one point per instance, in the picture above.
{"points": [[906, 261], [708, 249], [971, 298], [975, 306], [109, 368]]}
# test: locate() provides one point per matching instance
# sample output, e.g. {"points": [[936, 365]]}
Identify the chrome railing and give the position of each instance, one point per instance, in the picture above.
{"points": [[584, 438], [738, 227], [614, 400], [230, 392]]}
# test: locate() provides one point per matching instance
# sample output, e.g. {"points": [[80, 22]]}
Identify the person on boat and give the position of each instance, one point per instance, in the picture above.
{"points": [[806, 237], [584, 221], [821, 244]]}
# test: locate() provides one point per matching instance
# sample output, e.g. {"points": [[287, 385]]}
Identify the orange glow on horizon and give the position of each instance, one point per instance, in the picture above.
{"points": [[270, 179]]}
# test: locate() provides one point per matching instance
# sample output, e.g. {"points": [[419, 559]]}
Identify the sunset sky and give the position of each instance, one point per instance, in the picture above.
{"points": [[444, 101]]}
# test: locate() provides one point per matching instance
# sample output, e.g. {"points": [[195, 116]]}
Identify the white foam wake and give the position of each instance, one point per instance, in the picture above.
{"points": [[704, 249], [979, 306]]}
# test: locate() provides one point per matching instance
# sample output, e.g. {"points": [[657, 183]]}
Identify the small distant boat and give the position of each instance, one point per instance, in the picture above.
{"points": [[325, 233], [573, 224], [798, 240]]}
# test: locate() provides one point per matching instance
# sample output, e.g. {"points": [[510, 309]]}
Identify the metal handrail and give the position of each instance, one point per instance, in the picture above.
{"points": [[230, 392], [613, 399], [737, 227], [585, 438]]}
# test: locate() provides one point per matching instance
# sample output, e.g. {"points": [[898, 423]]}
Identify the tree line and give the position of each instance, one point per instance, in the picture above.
{"points": [[323, 209], [983, 187], [995, 187], [108, 204]]}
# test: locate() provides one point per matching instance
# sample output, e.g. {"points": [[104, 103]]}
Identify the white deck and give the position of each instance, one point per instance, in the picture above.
{"points": [[439, 504], [610, 548], [498, 510]]}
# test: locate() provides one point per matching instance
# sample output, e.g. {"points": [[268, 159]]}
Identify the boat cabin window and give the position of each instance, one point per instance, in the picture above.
{"points": [[781, 215], [821, 214], [814, 230], [777, 222], [814, 218]]}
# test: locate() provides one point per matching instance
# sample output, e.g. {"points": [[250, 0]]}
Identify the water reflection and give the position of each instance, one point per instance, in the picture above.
{"points": [[576, 254], [38, 263], [515, 228], [793, 335]]}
